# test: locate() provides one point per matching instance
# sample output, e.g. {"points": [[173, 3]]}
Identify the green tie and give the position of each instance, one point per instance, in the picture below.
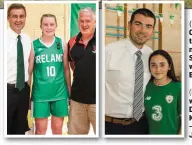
{"points": [[20, 84]]}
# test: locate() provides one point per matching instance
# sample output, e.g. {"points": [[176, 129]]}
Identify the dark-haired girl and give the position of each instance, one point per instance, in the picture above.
{"points": [[163, 95]]}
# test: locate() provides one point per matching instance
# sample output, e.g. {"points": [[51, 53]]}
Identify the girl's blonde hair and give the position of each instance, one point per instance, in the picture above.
{"points": [[48, 15]]}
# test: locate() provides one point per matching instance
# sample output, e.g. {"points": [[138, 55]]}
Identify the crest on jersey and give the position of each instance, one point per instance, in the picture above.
{"points": [[169, 98]]}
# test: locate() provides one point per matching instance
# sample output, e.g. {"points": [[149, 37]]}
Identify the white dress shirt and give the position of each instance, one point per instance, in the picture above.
{"points": [[12, 54], [120, 61]]}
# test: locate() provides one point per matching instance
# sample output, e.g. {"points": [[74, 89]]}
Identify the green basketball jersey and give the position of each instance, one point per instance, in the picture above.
{"points": [[163, 107], [49, 82]]}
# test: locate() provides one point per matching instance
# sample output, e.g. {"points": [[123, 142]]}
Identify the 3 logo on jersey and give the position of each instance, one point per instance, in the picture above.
{"points": [[157, 115]]}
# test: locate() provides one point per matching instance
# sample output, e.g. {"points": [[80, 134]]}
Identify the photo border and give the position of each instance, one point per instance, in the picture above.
{"points": [[182, 70], [5, 71]]}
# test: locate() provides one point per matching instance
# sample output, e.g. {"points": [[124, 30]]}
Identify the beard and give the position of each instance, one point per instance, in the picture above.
{"points": [[138, 38]]}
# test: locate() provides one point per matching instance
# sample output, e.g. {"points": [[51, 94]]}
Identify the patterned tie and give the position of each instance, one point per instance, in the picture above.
{"points": [[20, 84], [138, 88]]}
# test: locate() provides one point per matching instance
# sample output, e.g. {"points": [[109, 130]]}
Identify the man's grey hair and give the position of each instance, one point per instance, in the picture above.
{"points": [[87, 9]]}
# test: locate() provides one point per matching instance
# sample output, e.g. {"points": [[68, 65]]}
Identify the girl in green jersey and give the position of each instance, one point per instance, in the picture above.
{"points": [[162, 97], [51, 78]]}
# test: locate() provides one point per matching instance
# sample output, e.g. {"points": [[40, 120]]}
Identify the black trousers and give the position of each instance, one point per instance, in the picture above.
{"points": [[140, 127], [17, 109]]}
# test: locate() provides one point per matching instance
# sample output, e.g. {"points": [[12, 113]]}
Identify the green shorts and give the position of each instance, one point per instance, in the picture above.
{"points": [[57, 108]]}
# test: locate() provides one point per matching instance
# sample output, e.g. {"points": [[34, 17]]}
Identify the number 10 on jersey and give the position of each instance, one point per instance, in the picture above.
{"points": [[50, 71]]}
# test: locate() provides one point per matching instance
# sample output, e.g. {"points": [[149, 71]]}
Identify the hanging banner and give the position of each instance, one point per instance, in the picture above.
{"points": [[134, 9], [176, 5], [161, 17], [171, 17], [120, 10]]}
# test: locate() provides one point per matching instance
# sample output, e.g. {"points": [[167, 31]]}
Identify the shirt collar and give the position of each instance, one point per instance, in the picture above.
{"points": [[131, 47], [80, 35], [14, 34]]}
